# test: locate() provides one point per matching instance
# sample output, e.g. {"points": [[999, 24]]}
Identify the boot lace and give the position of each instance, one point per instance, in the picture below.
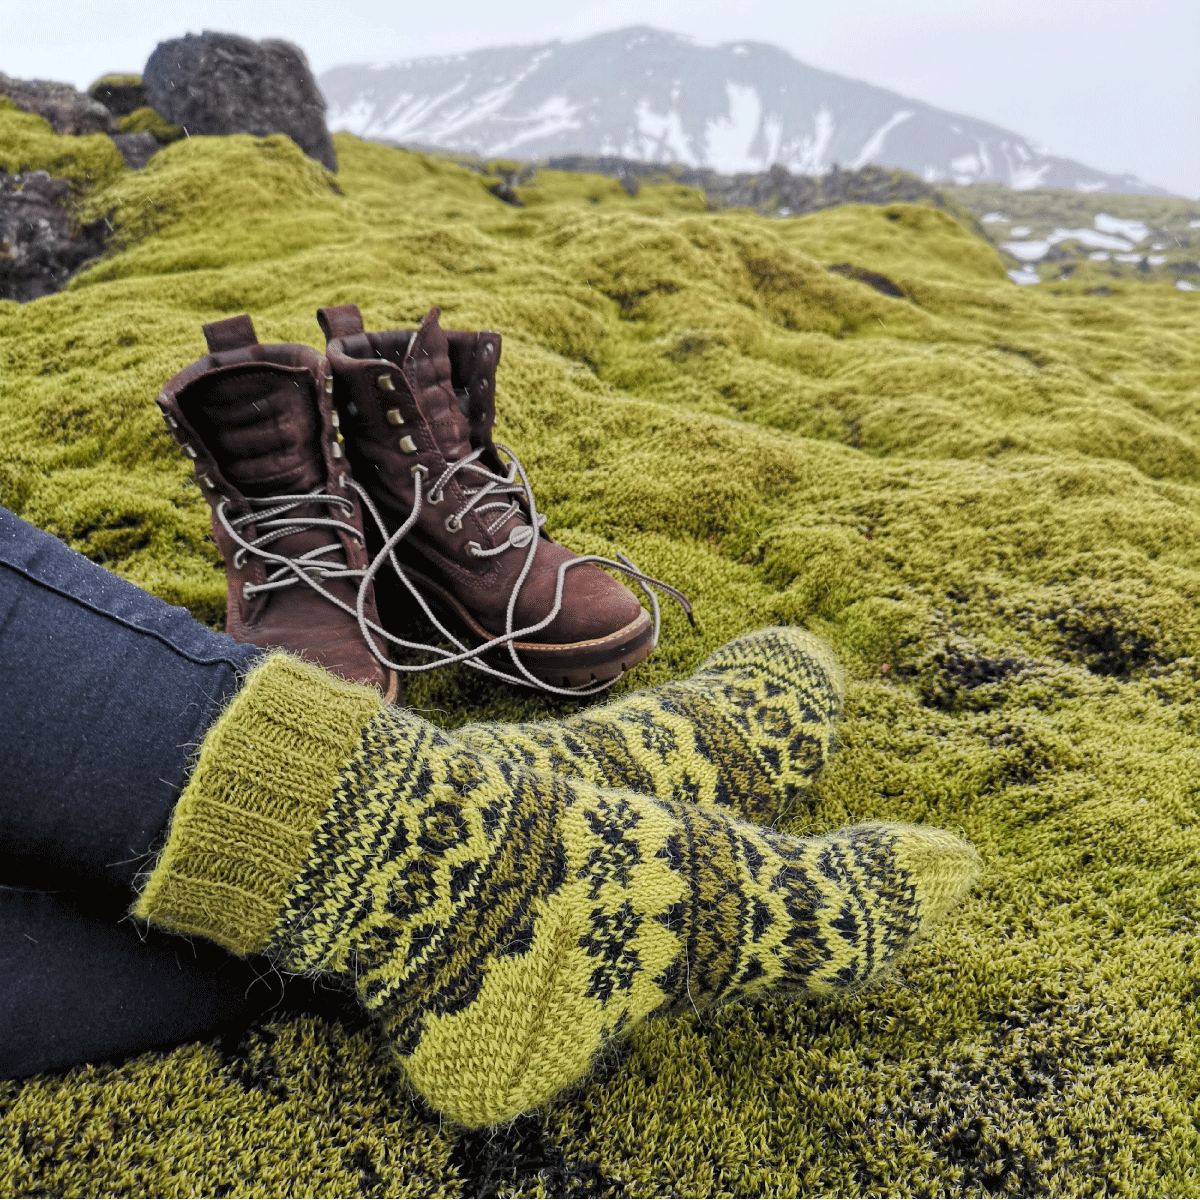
{"points": [[274, 518], [510, 493]]}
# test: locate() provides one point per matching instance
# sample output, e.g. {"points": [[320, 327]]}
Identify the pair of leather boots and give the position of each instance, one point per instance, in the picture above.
{"points": [[355, 490]]}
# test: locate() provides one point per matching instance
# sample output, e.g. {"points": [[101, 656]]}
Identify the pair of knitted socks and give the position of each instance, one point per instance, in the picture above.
{"points": [[507, 900]]}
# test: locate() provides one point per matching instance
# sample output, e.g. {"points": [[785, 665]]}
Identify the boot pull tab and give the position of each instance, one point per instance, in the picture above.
{"points": [[340, 321], [231, 334]]}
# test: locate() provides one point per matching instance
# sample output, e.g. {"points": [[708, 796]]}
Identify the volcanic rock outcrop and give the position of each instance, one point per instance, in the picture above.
{"points": [[38, 251], [219, 83], [67, 109]]}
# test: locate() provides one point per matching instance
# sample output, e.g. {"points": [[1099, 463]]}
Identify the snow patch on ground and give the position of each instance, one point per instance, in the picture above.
{"points": [[874, 144], [353, 119], [1019, 231], [728, 139], [1026, 177], [1025, 277], [1184, 286], [1135, 231], [661, 139], [551, 116], [1026, 251], [993, 218], [1099, 256], [812, 149]]}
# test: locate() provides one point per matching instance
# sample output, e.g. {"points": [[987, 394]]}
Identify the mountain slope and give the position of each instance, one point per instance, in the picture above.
{"points": [[642, 93]]}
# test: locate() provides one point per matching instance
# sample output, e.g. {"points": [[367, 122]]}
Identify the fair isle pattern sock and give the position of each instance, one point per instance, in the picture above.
{"points": [[504, 926], [747, 733]]}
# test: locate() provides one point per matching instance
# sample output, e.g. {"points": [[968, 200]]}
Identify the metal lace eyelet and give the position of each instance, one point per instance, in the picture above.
{"points": [[419, 469], [329, 385], [335, 448], [487, 349], [435, 498], [394, 416], [239, 560], [170, 420], [521, 536], [335, 420], [342, 480], [408, 445], [188, 450], [385, 383], [208, 483], [246, 592], [453, 523], [474, 548]]}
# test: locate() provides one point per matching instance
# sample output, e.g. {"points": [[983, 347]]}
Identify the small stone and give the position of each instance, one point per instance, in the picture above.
{"points": [[136, 148]]}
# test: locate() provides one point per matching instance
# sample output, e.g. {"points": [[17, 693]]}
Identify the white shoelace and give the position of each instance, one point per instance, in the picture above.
{"points": [[272, 523], [498, 486]]}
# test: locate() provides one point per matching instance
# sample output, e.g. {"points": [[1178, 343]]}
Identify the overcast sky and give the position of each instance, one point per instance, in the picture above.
{"points": [[1112, 83]]}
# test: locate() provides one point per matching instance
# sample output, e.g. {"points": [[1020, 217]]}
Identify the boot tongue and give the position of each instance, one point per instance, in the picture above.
{"points": [[262, 427], [427, 369]]}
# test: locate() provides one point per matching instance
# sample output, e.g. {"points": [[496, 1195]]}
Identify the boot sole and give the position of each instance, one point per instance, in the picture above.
{"points": [[567, 664]]}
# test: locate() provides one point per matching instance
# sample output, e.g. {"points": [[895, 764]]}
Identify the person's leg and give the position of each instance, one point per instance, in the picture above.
{"points": [[104, 694]]}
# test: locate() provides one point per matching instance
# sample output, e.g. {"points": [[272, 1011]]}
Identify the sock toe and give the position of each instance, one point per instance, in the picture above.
{"points": [[940, 866]]}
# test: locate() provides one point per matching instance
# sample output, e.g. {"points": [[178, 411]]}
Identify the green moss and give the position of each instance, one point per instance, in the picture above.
{"points": [[116, 79], [146, 120], [27, 143], [992, 491]]}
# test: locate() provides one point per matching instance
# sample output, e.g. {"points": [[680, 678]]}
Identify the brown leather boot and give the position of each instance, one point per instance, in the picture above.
{"points": [[463, 532], [259, 425]]}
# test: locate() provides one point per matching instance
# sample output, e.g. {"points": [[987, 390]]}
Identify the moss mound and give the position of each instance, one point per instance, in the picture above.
{"points": [[27, 143], [986, 498], [146, 120]]}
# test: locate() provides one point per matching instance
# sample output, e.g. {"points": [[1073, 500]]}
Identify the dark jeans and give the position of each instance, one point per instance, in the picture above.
{"points": [[105, 692]]}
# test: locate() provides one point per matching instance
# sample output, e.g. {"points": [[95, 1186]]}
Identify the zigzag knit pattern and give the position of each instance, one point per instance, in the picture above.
{"points": [[748, 733], [504, 926]]}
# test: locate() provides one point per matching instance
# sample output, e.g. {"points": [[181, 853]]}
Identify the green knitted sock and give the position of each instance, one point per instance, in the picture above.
{"points": [[504, 926], [747, 733]]}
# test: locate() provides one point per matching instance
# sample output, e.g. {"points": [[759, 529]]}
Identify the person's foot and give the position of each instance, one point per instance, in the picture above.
{"points": [[748, 733], [505, 926]]}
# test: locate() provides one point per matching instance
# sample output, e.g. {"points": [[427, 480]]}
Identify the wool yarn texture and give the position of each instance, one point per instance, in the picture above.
{"points": [[503, 925], [748, 733]]}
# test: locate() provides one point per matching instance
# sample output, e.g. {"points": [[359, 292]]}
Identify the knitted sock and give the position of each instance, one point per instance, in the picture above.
{"points": [[747, 733], [502, 925]]}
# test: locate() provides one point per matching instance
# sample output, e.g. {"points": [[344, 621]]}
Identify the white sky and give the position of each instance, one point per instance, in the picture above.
{"points": [[1112, 83]]}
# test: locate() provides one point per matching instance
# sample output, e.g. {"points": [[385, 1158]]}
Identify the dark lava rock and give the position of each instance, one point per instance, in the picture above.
{"points": [[773, 192], [119, 96], [881, 283], [136, 148], [68, 110], [38, 251], [219, 83]]}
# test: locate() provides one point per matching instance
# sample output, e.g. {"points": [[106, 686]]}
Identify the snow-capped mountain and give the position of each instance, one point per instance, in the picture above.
{"points": [[642, 93]]}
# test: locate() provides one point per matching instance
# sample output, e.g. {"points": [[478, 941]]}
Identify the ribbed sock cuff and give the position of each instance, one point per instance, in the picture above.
{"points": [[265, 775]]}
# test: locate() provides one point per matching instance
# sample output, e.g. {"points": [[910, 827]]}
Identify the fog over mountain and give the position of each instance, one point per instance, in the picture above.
{"points": [[643, 93]]}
